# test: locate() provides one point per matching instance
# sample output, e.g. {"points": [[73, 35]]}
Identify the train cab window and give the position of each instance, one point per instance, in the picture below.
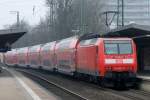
{"points": [[125, 48], [118, 47], [111, 48]]}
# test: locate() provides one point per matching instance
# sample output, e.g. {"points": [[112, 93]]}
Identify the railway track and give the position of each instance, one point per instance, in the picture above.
{"points": [[109, 94], [133, 94], [130, 94], [71, 93]]}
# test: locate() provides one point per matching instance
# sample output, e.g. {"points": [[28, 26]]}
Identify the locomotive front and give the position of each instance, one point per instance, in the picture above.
{"points": [[120, 63]]}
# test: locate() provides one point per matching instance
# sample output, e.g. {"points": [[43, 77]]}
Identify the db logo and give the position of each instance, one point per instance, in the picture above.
{"points": [[119, 61]]}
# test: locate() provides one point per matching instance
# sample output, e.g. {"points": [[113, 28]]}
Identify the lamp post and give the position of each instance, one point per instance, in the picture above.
{"points": [[18, 17]]}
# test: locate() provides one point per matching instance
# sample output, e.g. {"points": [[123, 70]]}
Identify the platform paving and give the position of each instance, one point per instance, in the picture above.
{"points": [[15, 86], [10, 89]]}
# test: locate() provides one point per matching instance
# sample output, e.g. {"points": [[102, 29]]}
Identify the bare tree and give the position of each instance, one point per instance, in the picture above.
{"points": [[63, 17], [82, 15]]}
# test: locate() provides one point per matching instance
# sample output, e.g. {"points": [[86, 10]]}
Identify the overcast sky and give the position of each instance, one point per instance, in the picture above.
{"points": [[25, 7]]}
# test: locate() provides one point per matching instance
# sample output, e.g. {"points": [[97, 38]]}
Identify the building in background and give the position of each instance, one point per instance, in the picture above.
{"points": [[135, 11]]}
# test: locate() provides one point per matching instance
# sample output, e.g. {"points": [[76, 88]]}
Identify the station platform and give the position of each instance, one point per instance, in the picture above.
{"points": [[145, 83], [15, 86], [144, 75]]}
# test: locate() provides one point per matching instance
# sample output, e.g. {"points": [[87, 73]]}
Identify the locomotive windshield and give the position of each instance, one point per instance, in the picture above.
{"points": [[118, 47]]}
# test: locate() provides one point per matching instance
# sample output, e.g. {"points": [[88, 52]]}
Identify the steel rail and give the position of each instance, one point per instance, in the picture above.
{"points": [[54, 84]]}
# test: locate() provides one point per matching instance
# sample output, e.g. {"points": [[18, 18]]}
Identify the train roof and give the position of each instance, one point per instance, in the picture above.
{"points": [[93, 35], [38, 45], [20, 50], [70, 42], [89, 36], [49, 43], [12, 51], [117, 38]]}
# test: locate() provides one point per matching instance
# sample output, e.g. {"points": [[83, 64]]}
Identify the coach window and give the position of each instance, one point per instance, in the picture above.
{"points": [[20, 51], [88, 42], [33, 49], [85, 42], [68, 43], [47, 47], [65, 44], [24, 50], [62, 45], [82, 43], [36, 48], [93, 41]]}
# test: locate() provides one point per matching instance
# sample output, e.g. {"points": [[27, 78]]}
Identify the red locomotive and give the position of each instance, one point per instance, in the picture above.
{"points": [[108, 59]]}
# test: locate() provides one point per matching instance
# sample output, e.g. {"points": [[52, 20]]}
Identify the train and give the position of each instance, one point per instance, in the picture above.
{"points": [[99, 59]]}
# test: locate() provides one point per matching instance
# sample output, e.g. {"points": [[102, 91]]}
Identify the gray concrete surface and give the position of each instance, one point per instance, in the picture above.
{"points": [[145, 83], [15, 86], [10, 89]]}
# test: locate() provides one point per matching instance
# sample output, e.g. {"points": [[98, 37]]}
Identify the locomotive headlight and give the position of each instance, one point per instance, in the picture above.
{"points": [[110, 61], [127, 61]]}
